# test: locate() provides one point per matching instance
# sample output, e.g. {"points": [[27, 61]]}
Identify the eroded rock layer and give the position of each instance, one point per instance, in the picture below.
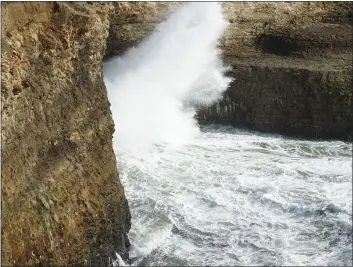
{"points": [[62, 201]]}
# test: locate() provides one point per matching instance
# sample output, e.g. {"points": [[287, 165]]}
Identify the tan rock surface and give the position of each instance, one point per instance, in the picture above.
{"points": [[292, 69], [62, 201]]}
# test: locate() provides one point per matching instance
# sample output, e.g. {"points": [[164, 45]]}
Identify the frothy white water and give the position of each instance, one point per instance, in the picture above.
{"points": [[234, 198], [152, 88], [229, 197]]}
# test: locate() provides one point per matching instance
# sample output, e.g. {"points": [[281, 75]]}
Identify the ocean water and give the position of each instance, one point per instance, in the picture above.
{"points": [[217, 195], [233, 197]]}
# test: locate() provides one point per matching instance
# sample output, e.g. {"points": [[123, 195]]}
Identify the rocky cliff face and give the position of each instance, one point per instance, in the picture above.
{"points": [[62, 201], [292, 64], [130, 22], [292, 69]]}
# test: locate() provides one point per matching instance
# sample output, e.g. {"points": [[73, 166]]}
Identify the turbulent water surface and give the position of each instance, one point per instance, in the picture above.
{"points": [[239, 198], [217, 195]]}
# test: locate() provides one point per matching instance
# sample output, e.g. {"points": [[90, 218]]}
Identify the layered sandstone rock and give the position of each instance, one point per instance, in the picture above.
{"points": [[130, 22], [62, 201], [292, 69]]}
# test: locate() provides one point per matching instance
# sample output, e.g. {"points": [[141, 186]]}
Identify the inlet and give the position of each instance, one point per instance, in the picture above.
{"points": [[215, 195]]}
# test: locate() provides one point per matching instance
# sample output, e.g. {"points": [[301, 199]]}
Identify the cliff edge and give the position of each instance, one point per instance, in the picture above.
{"points": [[62, 201]]}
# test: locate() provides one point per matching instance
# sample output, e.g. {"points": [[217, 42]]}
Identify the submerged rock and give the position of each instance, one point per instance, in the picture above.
{"points": [[62, 201]]}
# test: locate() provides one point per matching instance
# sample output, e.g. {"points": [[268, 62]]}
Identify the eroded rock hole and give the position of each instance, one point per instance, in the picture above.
{"points": [[17, 89], [278, 45]]}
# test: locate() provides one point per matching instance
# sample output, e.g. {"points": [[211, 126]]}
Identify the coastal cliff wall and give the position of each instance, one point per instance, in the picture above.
{"points": [[62, 201], [292, 69], [291, 63]]}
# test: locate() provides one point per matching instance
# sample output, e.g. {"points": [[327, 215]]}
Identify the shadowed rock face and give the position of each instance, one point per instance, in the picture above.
{"points": [[62, 201], [130, 22], [292, 63]]}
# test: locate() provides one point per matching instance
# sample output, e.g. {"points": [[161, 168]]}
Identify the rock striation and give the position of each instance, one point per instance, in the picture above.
{"points": [[130, 22], [62, 201], [292, 69]]}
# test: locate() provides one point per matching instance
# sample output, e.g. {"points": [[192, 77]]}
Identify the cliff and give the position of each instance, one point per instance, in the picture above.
{"points": [[62, 201], [292, 69], [291, 61], [130, 22]]}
